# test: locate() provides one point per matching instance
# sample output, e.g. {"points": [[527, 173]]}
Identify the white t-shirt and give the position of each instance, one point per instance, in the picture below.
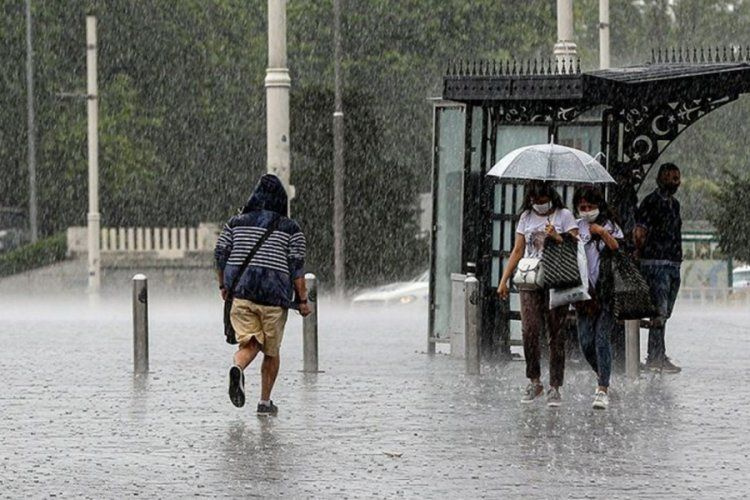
{"points": [[594, 247], [531, 225]]}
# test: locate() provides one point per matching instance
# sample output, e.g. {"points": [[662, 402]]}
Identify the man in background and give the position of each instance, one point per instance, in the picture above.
{"points": [[658, 241]]}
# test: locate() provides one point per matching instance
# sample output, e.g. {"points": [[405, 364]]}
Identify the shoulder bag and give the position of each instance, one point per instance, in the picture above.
{"points": [[529, 274], [624, 287]]}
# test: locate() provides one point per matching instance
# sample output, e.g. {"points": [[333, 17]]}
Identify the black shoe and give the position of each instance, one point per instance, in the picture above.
{"points": [[670, 367], [237, 386], [664, 366], [269, 409]]}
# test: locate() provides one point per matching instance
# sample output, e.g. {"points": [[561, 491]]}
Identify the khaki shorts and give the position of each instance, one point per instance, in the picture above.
{"points": [[265, 323]]}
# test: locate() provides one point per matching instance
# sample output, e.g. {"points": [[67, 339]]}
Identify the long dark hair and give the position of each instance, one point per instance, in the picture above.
{"points": [[541, 188], [594, 195]]}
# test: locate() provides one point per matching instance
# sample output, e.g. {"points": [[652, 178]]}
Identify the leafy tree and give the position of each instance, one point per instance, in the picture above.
{"points": [[380, 217], [732, 202]]}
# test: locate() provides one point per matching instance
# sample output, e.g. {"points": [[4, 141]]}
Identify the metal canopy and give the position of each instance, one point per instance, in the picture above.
{"points": [[650, 104], [688, 76], [657, 83], [488, 82]]}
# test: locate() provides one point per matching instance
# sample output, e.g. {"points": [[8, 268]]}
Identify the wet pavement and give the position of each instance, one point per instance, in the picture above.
{"points": [[384, 419]]}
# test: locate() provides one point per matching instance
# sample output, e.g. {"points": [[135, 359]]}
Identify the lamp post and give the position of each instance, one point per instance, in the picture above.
{"points": [[565, 49], [277, 85], [603, 34], [339, 273], [92, 104], [33, 227]]}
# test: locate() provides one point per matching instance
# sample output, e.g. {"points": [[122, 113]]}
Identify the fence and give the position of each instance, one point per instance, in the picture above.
{"points": [[147, 239], [716, 296], [174, 240]]}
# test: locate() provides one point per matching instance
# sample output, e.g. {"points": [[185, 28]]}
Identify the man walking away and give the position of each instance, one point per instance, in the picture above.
{"points": [[264, 293], [658, 241]]}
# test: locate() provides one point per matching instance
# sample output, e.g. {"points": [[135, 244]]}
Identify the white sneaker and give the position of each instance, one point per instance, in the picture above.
{"points": [[553, 397], [601, 400]]}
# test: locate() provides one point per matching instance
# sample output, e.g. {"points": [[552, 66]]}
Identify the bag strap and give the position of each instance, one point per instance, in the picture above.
{"points": [[271, 228]]}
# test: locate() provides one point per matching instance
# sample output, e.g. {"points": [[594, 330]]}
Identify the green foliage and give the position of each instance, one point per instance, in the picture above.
{"points": [[728, 216], [380, 219], [41, 253], [182, 105]]}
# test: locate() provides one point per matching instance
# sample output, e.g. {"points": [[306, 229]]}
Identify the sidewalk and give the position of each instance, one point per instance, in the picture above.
{"points": [[384, 419]]}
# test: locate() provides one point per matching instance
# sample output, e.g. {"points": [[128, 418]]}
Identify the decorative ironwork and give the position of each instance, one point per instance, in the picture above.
{"points": [[648, 130], [512, 67], [686, 55], [535, 113]]}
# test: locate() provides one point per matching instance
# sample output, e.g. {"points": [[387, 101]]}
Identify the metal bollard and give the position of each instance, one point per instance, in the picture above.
{"points": [[471, 332], [140, 324], [632, 348], [310, 327]]}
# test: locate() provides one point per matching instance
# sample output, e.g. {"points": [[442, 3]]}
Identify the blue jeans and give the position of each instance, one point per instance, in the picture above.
{"points": [[593, 333], [664, 281]]}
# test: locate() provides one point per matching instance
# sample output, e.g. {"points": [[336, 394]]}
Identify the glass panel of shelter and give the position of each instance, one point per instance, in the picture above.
{"points": [[508, 197], [448, 179]]}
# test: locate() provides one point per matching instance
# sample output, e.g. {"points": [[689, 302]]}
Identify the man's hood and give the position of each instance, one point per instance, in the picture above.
{"points": [[269, 195]]}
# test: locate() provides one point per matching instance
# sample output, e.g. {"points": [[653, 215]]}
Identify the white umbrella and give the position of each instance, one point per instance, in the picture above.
{"points": [[551, 162]]}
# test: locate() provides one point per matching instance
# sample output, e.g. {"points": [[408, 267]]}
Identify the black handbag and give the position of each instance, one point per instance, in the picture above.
{"points": [[229, 333], [560, 263], [630, 294]]}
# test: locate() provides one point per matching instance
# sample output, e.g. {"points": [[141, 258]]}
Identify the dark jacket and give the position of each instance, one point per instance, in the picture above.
{"points": [[280, 260], [660, 216]]}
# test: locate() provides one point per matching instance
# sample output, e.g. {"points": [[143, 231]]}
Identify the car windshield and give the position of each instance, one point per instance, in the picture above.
{"points": [[741, 275], [425, 276]]}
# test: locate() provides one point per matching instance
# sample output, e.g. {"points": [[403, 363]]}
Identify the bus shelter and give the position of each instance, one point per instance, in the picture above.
{"points": [[489, 108]]}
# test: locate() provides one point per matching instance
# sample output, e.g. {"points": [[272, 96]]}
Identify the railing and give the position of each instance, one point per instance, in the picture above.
{"points": [[709, 296], [148, 239], [162, 240]]}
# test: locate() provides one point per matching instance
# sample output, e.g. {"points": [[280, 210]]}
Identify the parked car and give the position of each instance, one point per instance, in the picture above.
{"points": [[741, 277], [13, 229], [416, 291]]}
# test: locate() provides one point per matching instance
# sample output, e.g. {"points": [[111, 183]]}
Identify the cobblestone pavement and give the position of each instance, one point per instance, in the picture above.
{"points": [[384, 419]]}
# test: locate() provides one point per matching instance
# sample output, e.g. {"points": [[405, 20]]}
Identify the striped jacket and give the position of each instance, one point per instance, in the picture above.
{"points": [[268, 278]]}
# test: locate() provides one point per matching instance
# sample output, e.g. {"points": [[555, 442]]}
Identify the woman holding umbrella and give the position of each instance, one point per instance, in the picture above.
{"points": [[543, 217]]}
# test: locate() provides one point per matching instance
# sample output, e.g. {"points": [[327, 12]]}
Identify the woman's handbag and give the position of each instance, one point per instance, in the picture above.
{"points": [[229, 333], [529, 274], [564, 296], [630, 293], [560, 261]]}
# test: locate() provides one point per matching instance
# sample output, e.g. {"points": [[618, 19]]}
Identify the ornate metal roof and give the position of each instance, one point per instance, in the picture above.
{"points": [[679, 73]]}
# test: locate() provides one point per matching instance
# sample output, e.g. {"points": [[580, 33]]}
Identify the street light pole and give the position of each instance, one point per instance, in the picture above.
{"points": [[339, 273], [603, 34], [94, 218], [31, 132], [565, 49], [277, 85]]}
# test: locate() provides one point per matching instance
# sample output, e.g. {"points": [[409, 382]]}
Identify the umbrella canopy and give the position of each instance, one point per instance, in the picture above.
{"points": [[550, 162]]}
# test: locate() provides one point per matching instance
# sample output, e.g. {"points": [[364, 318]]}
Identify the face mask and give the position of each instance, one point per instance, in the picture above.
{"points": [[670, 188], [590, 216], [543, 208]]}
